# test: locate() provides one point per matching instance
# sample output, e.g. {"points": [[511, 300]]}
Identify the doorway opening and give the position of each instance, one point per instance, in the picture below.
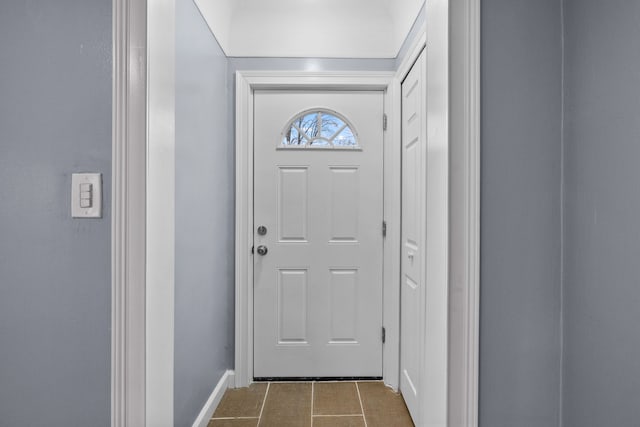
{"points": [[453, 34], [353, 251]]}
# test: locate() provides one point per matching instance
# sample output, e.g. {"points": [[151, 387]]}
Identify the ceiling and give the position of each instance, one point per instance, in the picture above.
{"points": [[310, 28]]}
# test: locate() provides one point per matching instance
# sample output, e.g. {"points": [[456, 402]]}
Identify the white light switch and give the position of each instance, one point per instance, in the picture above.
{"points": [[86, 195]]}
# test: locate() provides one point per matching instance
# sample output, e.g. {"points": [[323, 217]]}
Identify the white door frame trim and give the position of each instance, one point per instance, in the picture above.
{"points": [[142, 255], [160, 225], [246, 83], [464, 199], [128, 212]]}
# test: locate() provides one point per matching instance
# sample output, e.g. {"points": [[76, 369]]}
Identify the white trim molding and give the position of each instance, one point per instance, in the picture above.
{"points": [[464, 292], [160, 307], [128, 228], [392, 181], [412, 54], [226, 381], [246, 83], [436, 328]]}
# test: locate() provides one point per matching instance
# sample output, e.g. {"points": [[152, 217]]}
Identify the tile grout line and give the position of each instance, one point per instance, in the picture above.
{"points": [[312, 386], [338, 415], [234, 418], [263, 403], [361, 407]]}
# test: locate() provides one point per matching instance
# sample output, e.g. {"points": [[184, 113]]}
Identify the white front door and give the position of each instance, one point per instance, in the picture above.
{"points": [[412, 288], [318, 207]]}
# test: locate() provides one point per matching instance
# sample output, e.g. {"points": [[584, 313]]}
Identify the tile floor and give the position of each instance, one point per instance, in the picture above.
{"points": [[312, 404]]}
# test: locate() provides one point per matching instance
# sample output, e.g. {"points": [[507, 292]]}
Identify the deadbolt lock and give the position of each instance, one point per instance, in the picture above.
{"points": [[262, 230]]}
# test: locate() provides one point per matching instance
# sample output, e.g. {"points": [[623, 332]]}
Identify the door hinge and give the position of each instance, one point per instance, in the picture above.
{"points": [[384, 228], [384, 122], [384, 335]]}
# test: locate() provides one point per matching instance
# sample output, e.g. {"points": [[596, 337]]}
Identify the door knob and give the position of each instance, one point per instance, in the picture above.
{"points": [[262, 250]]}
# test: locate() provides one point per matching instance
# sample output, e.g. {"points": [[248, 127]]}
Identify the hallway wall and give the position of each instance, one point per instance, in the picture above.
{"points": [[602, 209], [55, 289], [204, 278], [520, 213]]}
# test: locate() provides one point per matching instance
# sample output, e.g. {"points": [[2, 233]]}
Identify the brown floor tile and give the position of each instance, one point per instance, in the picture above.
{"points": [[287, 405], [242, 402], [338, 421], [233, 423], [336, 399], [382, 407]]}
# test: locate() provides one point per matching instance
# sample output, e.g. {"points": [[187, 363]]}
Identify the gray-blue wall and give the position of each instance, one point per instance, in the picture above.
{"points": [[204, 286], [55, 290], [520, 213], [602, 214], [309, 64]]}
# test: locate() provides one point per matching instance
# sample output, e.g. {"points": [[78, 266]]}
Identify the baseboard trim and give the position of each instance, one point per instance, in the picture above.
{"points": [[226, 381]]}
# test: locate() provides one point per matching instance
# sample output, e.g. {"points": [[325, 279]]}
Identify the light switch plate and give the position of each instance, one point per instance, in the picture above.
{"points": [[95, 181]]}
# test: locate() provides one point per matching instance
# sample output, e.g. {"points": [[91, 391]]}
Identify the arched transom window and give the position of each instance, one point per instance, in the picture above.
{"points": [[318, 129]]}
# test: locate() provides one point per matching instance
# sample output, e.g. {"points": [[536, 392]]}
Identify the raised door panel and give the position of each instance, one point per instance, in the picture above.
{"points": [[344, 290], [293, 204], [292, 306], [345, 203]]}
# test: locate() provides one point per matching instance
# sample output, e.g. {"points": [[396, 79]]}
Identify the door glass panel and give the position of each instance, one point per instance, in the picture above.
{"points": [[308, 124], [318, 129], [294, 137], [345, 138], [331, 125]]}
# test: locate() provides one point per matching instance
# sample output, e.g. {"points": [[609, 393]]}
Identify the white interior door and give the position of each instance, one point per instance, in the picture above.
{"points": [[412, 290], [318, 258]]}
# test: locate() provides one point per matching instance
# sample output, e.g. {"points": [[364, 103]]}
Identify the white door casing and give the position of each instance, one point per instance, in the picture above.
{"points": [[318, 288], [412, 282], [247, 82]]}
